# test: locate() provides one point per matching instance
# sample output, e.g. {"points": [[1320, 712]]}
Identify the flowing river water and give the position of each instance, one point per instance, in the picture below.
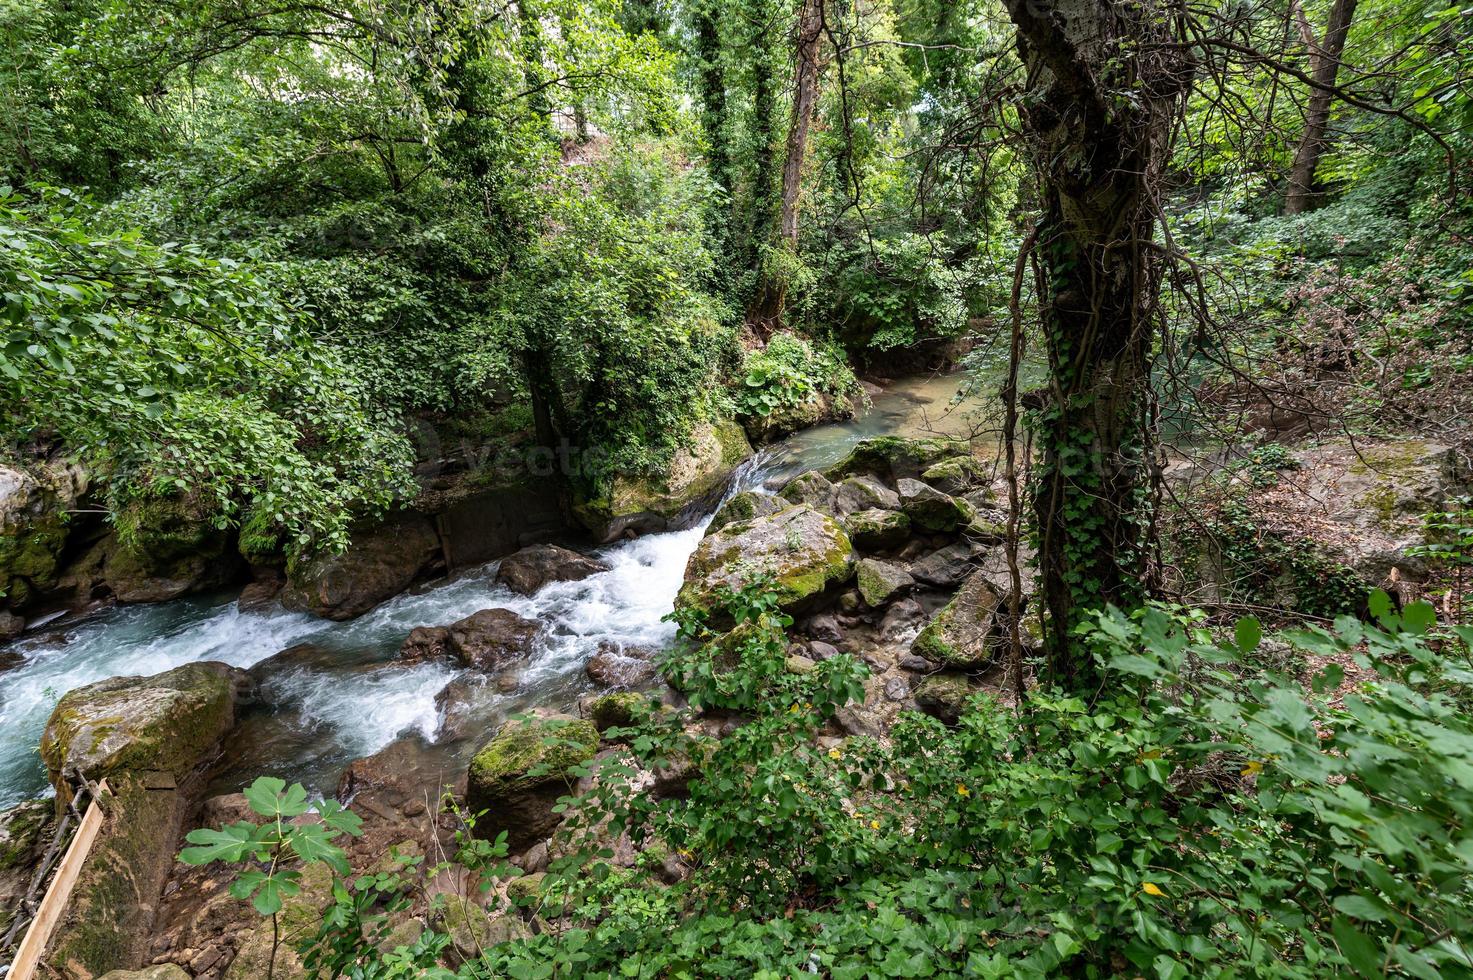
{"points": [[348, 697]]}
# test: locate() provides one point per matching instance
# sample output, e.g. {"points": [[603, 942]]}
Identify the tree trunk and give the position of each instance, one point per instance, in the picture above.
{"points": [[805, 100], [767, 311], [1324, 66], [1098, 160]]}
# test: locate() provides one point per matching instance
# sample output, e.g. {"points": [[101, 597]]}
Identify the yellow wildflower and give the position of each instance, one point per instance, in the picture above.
{"points": [[1253, 768], [835, 754], [1151, 888], [874, 825], [961, 790]]}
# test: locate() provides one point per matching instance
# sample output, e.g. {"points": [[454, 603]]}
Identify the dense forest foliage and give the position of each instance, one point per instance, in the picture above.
{"points": [[277, 257]]}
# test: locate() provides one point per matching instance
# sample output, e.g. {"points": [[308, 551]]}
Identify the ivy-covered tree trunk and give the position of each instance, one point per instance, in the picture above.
{"points": [[713, 92], [1324, 68], [1105, 84]]}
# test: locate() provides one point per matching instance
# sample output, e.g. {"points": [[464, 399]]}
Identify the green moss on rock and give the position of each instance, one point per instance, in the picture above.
{"points": [[803, 551], [955, 475], [617, 710], [892, 457], [170, 722], [519, 775], [960, 635]]}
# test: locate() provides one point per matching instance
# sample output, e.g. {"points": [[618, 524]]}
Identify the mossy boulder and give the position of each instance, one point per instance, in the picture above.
{"points": [[893, 457], [743, 507], [34, 522], [25, 830], [108, 922], [877, 530], [881, 581], [160, 971], [619, 709], [473, 930], [956, 475], [519, 775], [944, 696], [379, 564], [664, 500], [963, 632], [813, 489], [864, 492], [170, 722], [167, 547], [931, 510], [804, 552]]}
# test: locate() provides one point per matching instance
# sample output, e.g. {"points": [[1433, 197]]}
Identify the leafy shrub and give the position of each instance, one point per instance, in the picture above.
{"points": [[791, 371]]}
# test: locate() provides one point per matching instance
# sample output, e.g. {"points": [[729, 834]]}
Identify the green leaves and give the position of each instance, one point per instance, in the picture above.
{"points": [[232, 844], [266, 850]]}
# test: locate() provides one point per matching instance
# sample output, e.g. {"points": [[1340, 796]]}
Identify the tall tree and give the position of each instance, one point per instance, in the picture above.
{"points": [[1105, 86], [1324, 67], [807, 34]]}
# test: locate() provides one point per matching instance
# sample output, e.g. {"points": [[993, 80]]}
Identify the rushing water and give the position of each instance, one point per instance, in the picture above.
{"points": [[349, 697]]}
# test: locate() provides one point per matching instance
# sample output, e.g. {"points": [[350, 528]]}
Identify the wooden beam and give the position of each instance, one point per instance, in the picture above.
{"points": [[28, 954]]}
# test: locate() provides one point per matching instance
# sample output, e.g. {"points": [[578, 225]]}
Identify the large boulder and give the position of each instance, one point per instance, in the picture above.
{"points": [[931, 510], [881, 581], [520, 774], [487, 640], [108, 923], [803, 551], [816, 409], [948, 566], [35, 506], [1314, 530], [956, 475], [170, 722], [167, 547], [944, 696], [893, 457], [964, 631], [669, 499], [813, 489], [530, 569], [743, 507], [864, 492], [621, 667], [877, 530], [378, 565], [25, 831]]}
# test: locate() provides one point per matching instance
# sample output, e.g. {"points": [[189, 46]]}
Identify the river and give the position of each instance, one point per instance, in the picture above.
{"points": [[349, 697]]}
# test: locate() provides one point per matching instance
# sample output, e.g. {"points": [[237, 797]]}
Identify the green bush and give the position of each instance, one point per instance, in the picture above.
{"points": [[791, 371]]}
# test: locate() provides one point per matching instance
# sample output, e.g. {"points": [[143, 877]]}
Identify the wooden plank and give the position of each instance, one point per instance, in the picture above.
{"points": [[28, 955]]}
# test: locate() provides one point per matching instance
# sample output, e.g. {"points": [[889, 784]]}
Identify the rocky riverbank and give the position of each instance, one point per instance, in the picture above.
{"points": [[893, 555]]}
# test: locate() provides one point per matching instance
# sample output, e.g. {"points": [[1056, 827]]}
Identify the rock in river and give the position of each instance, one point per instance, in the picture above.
{"points": [[171, 722], [530, 569], [805, 552]]}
